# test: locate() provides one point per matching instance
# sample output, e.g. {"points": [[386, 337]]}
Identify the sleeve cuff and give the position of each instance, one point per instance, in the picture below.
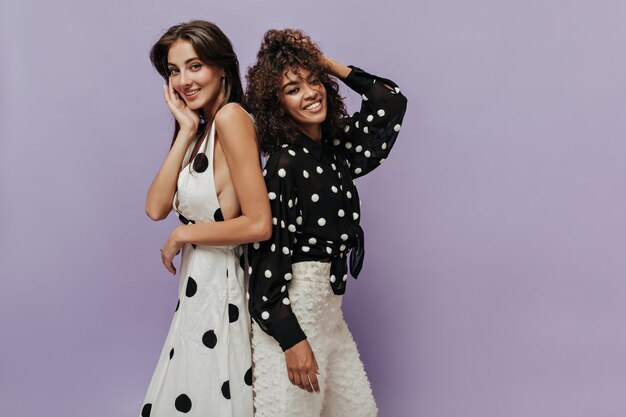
{"points": [[287, 331]]}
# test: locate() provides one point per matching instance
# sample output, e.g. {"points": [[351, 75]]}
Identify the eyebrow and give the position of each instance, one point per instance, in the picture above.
{"points": [[186, 62], [300, 77]]}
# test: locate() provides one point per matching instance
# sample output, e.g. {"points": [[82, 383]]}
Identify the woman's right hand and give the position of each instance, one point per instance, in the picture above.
{"points": [[302, 368], [187, 119]]}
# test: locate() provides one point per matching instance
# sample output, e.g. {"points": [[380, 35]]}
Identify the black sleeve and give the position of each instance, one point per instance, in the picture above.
{"points": [[271, 260], [371, 132]]}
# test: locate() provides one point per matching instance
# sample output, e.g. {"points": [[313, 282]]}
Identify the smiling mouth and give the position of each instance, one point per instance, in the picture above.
{"points": [[191, 93], [313, 106]]}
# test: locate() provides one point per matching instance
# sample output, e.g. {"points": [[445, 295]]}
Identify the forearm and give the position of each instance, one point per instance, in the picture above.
{"points": [[242, 229], [163, 187]]}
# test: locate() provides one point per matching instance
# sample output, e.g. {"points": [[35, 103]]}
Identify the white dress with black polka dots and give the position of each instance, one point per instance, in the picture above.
{"points": [[205, 366]]}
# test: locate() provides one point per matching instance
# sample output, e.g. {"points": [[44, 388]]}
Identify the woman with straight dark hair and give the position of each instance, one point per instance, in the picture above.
{"points": [[212, 178], [298, 276]]}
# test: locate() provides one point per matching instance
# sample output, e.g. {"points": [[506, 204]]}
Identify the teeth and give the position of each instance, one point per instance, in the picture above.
{"points": [[191, 93], [313, 106]]}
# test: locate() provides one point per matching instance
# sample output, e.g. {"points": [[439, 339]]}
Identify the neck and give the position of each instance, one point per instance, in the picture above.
{"points": [[212, 106], [313, 131]]}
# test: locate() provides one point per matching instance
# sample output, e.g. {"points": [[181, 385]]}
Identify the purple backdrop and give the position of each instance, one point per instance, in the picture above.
{"points": [[496, 238]]}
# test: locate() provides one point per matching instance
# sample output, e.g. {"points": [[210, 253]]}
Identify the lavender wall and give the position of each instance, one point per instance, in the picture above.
{"points": [[496, 234]]}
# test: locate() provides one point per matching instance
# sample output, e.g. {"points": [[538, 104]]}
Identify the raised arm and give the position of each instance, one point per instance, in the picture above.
{"points": [[163, 187], [371, 132]]}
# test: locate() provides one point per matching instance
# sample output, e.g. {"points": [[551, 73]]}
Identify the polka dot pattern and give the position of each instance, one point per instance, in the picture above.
{"points": [[183, 403], [209, 339], [324, 224]]}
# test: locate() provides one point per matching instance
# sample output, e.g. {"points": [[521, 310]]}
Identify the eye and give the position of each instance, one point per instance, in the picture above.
{"points": [[196, 66], [314, 81], [173, 71], [293, 91]]}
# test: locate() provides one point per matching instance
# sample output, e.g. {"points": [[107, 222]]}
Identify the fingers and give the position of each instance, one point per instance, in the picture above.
{"points": [[168, 263]]}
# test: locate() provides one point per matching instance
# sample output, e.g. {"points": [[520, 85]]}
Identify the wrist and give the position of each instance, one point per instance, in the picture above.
{"points": [[179, 235]]}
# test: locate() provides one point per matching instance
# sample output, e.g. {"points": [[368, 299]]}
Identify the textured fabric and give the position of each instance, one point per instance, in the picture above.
{"points": [[205, 366], [344, 388], [315, 203]]}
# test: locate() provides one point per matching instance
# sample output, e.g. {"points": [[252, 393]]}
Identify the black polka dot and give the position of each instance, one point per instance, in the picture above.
{"points": [[200, 163], [218, 216], [209, 339], [177, 305], [248, 377], [226, 390], [242, 262], [192, 287], [183, 219], [183, 403], [233, 313], [194, 245], [145, 411], [172, 353]]}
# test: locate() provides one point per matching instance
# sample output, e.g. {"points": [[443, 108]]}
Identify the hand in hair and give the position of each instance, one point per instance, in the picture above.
{"points": [[187, 119]]}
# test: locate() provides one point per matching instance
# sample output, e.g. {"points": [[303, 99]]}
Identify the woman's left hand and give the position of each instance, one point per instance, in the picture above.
{"points": [[171, 248]]}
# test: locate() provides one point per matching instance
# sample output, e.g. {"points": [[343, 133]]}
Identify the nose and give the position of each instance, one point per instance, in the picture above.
{"points": [[184, 79], [309, 92]]}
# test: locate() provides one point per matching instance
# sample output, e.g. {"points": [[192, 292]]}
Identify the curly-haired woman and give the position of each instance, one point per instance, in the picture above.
{"points": [[213, 177], [298, 275]]}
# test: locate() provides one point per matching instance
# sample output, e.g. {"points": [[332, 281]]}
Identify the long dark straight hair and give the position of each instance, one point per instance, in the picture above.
{"points": [[213, 48]]}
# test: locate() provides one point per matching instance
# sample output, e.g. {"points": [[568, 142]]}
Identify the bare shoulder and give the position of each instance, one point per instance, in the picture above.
{"points": [[232, 115]]}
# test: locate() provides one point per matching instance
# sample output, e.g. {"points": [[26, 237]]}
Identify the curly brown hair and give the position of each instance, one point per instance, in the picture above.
{"points": [[282, 50]]}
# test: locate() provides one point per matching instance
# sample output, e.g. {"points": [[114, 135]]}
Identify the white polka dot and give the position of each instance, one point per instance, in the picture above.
{"points": [[364, 97], [370, 118], [265, 315], [342, 248], [282, 224], [344, 237], [329, 250], [249, 270], [315, 198], [305, 173], [299, 220], [291, 152], [345, 277], [367, 154], [356, 124], [291, 228], [334, 167], [284, 145], [312, 241], [321, 221], [348, 145], [381, 161], [283, 288], [274, 221], [397, 128], [355, 216], [271, 195], [384, 145], [348, 194], [334, 189], [247, 295], [341, 213], [264, 172], [290, 203], [381, 112], [346, 129], [358, 171], [256, 245], [285, 250], [268, 273], [366, 130], [319, 170], [280, 197], [305, 249], [282, 172], [358, 148], [333, 279], [273, 247], [264, 298], [286, 301], [288, 276], [305, 150], [397, 90]]}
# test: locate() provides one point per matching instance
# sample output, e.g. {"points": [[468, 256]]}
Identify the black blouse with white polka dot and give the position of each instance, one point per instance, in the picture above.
{"points": [[315, 204]]}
